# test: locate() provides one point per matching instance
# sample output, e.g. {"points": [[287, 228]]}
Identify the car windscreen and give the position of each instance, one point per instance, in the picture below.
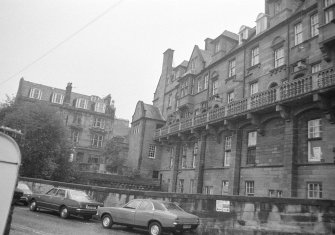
{"points": [[79, 195], [171, 206]]}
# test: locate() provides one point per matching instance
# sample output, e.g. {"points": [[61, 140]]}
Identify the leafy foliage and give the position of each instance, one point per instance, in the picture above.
{"points": [[112, 154], [45, 150]]}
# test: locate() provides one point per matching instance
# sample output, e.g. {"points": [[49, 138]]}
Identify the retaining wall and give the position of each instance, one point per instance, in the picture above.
{"points": [[225, 214]]}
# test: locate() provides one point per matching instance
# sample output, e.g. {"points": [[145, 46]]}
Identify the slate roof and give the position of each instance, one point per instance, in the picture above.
{"points": [[152, 112], [206, 55]]}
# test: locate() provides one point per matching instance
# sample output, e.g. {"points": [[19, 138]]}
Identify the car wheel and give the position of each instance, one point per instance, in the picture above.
{"points": [[33, 205], [107, 221], [87, 217], [64, 212], [155, 228]]}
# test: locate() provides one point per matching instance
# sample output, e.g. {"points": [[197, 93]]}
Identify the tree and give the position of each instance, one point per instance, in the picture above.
{"points": [[45, 150], [112, 154]]}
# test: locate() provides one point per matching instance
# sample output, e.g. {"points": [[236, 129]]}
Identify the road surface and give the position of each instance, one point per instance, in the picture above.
{"points": [[26, 222]]}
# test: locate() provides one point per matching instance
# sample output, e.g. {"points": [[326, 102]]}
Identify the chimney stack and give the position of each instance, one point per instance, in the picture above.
{"points": [[67, 98], [208, 44], [167, 62]]}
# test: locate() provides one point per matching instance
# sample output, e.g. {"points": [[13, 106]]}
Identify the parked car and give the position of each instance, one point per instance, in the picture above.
{"points": [[156, 216], [65, 201], [18, 193], [26, 192]]}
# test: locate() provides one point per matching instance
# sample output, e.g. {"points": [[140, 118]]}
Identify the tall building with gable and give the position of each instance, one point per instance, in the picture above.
{"points": [[90, 120], [250, 114]]}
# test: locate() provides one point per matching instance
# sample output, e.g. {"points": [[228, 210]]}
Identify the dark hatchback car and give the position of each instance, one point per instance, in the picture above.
{"points": [[26, 192], [65, 201]]}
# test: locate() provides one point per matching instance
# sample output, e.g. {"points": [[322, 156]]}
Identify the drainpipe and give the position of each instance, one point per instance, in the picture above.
{"points": [[243, 92], [141, 144], [288, 51]]}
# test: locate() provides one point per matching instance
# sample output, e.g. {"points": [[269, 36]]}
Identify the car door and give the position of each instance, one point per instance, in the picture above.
{"points": [[126, 214], [59, 199], [44, 200], [144, 213]]}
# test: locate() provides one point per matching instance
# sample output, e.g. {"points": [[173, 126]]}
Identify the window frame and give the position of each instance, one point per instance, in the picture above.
{"points": [[100, 107], [225, 184], [298, 35], [34, 95], [231, 68], [254, 88], [316, 193], [316, 65], [314, 134], [215, 86], [97, 140], [57, 98], [152, 151], [329, 15], [99, 122], [227, 152], [192, 186], [230, 97], [249, 188], [81, 103], [254, 56], [75, 136], [279, 57], [314, 23], [181, 185]]}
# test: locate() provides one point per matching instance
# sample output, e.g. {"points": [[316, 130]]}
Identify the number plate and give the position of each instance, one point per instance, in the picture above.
{"points": [[91, 207], [187, 226]]}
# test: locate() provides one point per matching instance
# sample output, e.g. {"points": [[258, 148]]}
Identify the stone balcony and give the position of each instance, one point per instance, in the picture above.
{"points": [[299, 88]]}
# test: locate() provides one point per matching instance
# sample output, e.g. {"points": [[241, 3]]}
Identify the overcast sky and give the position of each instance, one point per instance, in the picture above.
{"points": [[108, 46]]}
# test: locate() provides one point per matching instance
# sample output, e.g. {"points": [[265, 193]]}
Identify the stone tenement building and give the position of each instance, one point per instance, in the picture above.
{"points": [[251, 114], [90, 120]]}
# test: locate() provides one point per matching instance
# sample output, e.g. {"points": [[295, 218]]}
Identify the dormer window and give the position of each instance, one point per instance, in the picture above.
{"points": [[217, 47], [35, 93], [57, 98], [81, 103], [191, 65], [100, 107], [243, 34], [261, 23]]}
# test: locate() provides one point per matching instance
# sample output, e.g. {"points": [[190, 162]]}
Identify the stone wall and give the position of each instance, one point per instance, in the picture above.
{"points": [[247, 215]]}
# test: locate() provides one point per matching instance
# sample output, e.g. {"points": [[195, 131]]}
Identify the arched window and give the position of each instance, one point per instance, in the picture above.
{"points": [[273, 85]]}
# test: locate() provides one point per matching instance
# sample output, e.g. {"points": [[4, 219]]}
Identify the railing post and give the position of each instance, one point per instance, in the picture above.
{"points": [[207, 116], [249, 103], [180, 125], [168, 130], [192, 124], [160, 132], [277, 93], [315, 81]]}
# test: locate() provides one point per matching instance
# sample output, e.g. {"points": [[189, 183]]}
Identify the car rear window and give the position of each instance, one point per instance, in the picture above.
{"points": [[172, 206], [79, 195], [158, 206]]}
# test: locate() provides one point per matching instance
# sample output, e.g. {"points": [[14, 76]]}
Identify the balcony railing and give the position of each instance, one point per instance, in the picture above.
{"points": [[296, 87], [293, 89], [237, 107], [264, 98]]}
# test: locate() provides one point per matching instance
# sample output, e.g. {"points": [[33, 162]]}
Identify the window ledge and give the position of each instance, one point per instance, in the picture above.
{"points": [[315, 139], [278, 69], [254, 67], [230, 78], [330, 6]]}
